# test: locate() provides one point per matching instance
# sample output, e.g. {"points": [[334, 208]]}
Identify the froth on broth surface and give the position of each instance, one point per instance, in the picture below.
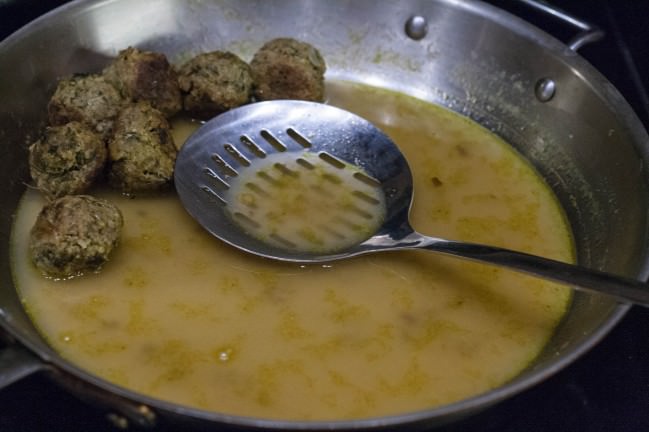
{"points": [[178, 315]]}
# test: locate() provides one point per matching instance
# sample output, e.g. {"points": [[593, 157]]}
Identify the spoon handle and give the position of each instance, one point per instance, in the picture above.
{"points": [[624, 289]]}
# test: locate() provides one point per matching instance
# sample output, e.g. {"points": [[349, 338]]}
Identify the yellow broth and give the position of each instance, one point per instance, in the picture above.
{"points": [[297, 201], [180, 316]]}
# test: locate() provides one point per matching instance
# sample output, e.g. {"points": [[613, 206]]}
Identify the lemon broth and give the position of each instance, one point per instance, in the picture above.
{"points": [[180, 316], [297, 201]]}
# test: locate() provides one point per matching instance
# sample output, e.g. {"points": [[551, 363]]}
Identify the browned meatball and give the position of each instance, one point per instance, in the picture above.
{"points": [[74, 234], [288, 69], [66, 159], [146, 76], [142, 153], [88, 99], [214, 82]]}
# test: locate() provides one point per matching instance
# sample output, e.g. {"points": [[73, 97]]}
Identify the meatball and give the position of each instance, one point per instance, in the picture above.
{"points": [[142, 152], [288, 69], [73, 235], [88, 99], [66, 159], [214, 82], [146, 76]]}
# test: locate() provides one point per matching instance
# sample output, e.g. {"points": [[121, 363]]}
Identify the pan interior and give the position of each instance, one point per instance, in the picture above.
{"points": [[293, 342], [475, 60]]}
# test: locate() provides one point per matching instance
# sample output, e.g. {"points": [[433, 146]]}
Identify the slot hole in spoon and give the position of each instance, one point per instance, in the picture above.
{"points": [[331, 160], [304, 163], [246, 221], [282, 240], [365, 197], [285, 170], [223, 167], [254, 187], [298, 138], [364, 178], [236, 154], [252, 146], [213, 196], [273, 141], [215, 179]]}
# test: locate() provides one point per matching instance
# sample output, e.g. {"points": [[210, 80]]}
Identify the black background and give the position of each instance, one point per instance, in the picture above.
{"points": [[606, 390]]}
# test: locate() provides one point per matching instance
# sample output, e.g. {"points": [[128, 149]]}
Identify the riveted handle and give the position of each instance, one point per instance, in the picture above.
{"points": [[586, 32], [16, 363]]}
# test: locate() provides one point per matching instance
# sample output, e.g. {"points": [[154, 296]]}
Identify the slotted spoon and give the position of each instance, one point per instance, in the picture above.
{"points": [[223, 149]]}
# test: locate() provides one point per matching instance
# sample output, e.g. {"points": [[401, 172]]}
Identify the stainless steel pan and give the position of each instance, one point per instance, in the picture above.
{"points": [[526, 86]]}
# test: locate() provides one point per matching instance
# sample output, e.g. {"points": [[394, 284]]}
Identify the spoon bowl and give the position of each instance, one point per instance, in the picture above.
{"points": [[231, 147]]}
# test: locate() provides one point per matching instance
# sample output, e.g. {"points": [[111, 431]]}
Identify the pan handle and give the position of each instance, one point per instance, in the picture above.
{"points": [[587, 32], [17, 362]]}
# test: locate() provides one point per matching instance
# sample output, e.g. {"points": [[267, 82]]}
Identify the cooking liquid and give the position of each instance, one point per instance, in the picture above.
{"points": [[301, 202], [180, 316]]}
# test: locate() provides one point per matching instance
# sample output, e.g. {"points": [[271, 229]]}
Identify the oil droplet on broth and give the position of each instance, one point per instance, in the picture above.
{"points": [[306, 202]]}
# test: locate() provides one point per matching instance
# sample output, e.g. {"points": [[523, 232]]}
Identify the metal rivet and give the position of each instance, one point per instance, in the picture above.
{"points": [[545, 89], [147, 416], [120, 422], [416, 27]]}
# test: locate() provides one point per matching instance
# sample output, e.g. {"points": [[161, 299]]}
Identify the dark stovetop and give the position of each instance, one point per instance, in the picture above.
{"points": [[606, 390]]}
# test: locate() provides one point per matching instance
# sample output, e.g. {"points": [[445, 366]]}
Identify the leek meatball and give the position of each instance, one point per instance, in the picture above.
{"points": [[142, 152], [66, 159], [74, 234], [214, 82], [88, 99], [288, 69], [146, 76]]}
